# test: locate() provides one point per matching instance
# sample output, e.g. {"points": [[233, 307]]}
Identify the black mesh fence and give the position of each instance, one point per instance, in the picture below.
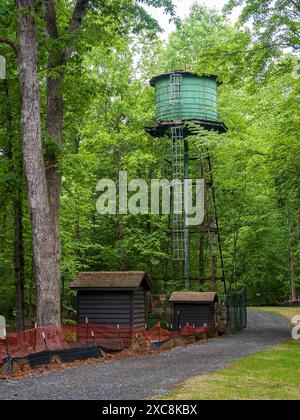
{"points": [[236, 303]]}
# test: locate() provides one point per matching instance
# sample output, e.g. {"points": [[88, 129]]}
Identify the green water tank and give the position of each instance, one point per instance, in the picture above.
{"points": [[185, 96]]}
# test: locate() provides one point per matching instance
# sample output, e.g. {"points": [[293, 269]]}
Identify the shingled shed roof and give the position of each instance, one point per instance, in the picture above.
{"points": [[196, 297], [111, 280]]}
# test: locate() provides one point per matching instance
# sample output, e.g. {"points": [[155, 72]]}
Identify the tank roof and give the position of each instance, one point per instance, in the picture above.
{"points": [[183, 73]]}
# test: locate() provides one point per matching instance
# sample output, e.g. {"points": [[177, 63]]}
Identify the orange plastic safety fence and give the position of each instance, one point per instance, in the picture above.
{"points": [[159, 334], [2, 350], [110, 337], [33, 341]]}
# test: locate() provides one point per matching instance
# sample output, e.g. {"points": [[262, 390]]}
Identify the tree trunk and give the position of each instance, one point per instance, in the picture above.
{"points": [[120, 239], [57, 61], [213, 248], [203, 232], [293, 294], [17, 168], [32, 294], [298, 232], [202, 258], [234, 256], [19, 262], [120, 225], [213, 242], [54, 122], [44, 247]]}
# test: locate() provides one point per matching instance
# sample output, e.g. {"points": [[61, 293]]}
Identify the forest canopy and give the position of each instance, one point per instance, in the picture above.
{"points": [[92, 101]]}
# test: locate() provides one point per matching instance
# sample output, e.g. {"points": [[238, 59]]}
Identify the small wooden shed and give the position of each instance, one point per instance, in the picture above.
{"points": [[195, 308], [113, 298]]}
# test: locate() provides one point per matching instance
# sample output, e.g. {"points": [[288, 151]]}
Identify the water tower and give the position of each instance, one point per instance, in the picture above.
{"points": [[183, 97]]}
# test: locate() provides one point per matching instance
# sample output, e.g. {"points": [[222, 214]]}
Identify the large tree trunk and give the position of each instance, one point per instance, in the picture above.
{"points": [[53, 174], [19, 262], [57, 61], [44, 247], [32, 295], [54, 122]]}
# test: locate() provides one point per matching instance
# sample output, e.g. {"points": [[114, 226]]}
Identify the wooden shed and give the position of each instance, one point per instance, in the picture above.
{"points": [[193, 308], [113, 298]]}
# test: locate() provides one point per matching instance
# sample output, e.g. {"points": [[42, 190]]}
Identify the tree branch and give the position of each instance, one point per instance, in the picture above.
{"points": [[10, 43], [78, 15], [296, 4], [75, 24], [50, 18]]}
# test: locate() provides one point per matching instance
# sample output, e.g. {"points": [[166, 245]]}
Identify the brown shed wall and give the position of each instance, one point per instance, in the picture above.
{"points": [[196, 314]]}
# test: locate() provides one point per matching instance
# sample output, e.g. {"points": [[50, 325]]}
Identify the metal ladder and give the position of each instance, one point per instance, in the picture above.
{"points": [[175, 88], [177, 173]]}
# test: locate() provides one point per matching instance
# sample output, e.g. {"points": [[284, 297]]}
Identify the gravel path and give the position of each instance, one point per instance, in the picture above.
{"points": [[149, 377]]}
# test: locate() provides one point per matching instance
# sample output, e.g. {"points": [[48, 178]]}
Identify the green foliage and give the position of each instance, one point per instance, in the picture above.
{"points": [[275, 22], [108, 102], [250, 162]]}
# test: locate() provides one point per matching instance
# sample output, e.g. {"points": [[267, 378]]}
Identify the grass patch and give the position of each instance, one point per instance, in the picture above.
{"points": [[270, 375]]}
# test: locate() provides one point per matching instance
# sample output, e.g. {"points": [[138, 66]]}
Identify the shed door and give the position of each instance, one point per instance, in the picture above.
{"points": [[190, 313], [104, 307]]}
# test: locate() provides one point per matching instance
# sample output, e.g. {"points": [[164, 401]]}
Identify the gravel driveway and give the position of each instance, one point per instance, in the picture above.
{"points": [[149, 377]]}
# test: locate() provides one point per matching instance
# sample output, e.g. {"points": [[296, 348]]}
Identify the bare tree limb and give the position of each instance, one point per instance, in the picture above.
{"points": [[10, 43]]}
